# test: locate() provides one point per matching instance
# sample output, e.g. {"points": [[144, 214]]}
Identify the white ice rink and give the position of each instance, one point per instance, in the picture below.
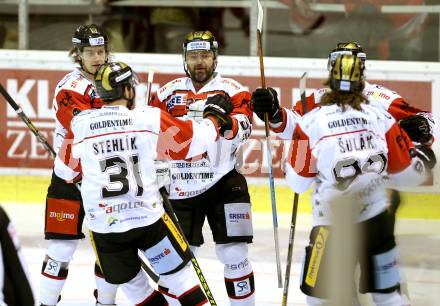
{"points": [[419, 244]]}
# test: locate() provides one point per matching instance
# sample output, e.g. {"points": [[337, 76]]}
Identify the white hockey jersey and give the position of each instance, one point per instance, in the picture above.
{"points": [[350, 153], [190, 178], [73, 94], [378, 96], [117, 148]]}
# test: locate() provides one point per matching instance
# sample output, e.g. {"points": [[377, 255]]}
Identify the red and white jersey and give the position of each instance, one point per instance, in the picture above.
{"points": [[73, 94], [190, 178], [117, 148], [378, 96], [350, 153]]}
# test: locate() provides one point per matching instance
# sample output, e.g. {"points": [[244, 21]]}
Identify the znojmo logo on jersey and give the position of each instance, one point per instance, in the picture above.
{"points": [[61, 216]]}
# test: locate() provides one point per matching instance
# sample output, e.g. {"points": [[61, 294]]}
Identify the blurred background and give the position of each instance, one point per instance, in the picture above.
{"points": [[388, 29]]}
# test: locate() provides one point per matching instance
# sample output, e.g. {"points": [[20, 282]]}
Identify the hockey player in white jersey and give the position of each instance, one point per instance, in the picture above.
{"points": [[74, 93], [347, 147], [116, 148], [209, 186], [417, 123]]}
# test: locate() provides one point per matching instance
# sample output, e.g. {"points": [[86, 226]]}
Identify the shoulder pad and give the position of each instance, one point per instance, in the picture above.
{"points": [[74, 81], [381, 113], [376, 92], [80, 117], [144, 108], [231, 87], [171, 86], [83, 113], [318, 93]]}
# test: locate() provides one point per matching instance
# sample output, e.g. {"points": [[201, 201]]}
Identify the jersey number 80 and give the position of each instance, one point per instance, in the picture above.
{"points": [[346, 170]]}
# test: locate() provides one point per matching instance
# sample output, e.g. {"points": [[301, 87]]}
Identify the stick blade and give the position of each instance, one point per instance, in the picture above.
{"points": [[260, 17], [150, 76]]}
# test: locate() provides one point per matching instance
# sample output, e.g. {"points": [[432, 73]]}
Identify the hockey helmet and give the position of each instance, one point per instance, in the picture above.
{"points": [[199, 40], [89, 36], [111, 78], [347, 74], [350, 48]]}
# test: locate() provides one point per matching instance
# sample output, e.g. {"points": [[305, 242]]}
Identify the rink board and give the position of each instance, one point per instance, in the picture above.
{"points": [[32, 189], [31, 76]]}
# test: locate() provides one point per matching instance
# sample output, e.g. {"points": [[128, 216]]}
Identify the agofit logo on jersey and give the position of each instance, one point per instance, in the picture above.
{"points": [[61, 216], [158, 257], [121, 206], [182, 193]]}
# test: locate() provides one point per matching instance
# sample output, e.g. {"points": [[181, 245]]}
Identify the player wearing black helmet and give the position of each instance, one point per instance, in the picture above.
{"points": [[418, 124], [90, 48], [64, 213], [124, 211], [210, 187], [351, 149]]}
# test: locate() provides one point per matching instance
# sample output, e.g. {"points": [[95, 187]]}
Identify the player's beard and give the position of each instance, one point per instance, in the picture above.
{"points": [[201, 75]]}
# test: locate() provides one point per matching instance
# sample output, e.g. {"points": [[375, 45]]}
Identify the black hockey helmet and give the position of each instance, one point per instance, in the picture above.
{"points": [[89, 36], [199, 40], [111, 78], [348, 48], [347, 74]]}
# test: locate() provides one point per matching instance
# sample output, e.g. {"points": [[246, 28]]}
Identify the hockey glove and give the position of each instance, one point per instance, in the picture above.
{"points": [[265, 100], [219, 106], [427, 156], [417, 127]]}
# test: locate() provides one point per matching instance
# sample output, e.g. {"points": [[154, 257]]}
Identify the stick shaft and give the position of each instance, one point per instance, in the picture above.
{"points": [[302, 89], [290, 250], [149, 85], [195, 263], [269, 166]]}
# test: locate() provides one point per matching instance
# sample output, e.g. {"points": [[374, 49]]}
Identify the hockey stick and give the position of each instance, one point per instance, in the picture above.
{"points": [[269, 153], [149, 85], [53, 154], [302, 90], [173, 217]]}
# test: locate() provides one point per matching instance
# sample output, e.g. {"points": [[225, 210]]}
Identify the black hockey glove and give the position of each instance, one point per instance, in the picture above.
{"points": [[417, 127], [426, 154], [265, 100], [220, 107]]}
